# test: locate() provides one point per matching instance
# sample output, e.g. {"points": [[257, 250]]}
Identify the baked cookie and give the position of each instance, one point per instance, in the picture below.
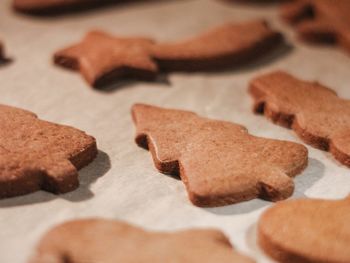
{"points": [[218, 161], [313, 111], [110, 241], [36, 154], [102, 58], [227, 45], [320, 20], [307, 231]]}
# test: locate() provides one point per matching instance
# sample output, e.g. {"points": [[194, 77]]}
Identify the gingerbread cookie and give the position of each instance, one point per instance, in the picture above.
{"points": [[219, 162], [37, 154], [224, 46], [110, 241], [102, 58], [307, 231], [320, 20], [313, 111]]}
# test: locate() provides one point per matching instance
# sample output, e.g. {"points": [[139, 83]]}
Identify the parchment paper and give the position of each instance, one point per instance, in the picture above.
{"points": [[122, 183]]}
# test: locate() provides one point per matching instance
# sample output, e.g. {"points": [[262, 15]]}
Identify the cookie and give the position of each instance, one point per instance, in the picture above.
{"points": [[227, 45], [313, 111], [102, 58], [218, 161], [320, 20], [110, 241], [307, 231], [37, 154]]}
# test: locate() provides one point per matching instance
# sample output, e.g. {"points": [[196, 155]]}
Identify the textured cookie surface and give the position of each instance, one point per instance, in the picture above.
{"points": [[320, 20], [315, 112], [307, 231], [107, 241], [227, 45], [102, 58], [219, 162], [36, 154]]}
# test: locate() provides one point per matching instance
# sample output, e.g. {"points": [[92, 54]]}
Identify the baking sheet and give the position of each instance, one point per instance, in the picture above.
{"points": [[122, 183]]}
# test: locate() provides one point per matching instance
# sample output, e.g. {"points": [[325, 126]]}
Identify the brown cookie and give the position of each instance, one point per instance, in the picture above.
{"points": [[307, 231], [111, 241], [219, 162], [37, 154], [320, 20], [224, 46], [315, 112], [102, 58]]}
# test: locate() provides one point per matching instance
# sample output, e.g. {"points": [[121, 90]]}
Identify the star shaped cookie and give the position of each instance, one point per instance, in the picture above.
{"points": [[103, 59]]}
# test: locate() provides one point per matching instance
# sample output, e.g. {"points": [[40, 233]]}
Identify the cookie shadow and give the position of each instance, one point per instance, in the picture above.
{"points": [[252, 243], [161, 79], [313, 173], [283, 50], [251, 3], [249, 64], [239, 208], [303, 182], [88, 175], [5, 61], [79, 9]]}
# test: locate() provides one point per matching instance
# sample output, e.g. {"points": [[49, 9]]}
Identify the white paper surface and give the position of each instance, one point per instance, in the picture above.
{"points": [[122, 183]]}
